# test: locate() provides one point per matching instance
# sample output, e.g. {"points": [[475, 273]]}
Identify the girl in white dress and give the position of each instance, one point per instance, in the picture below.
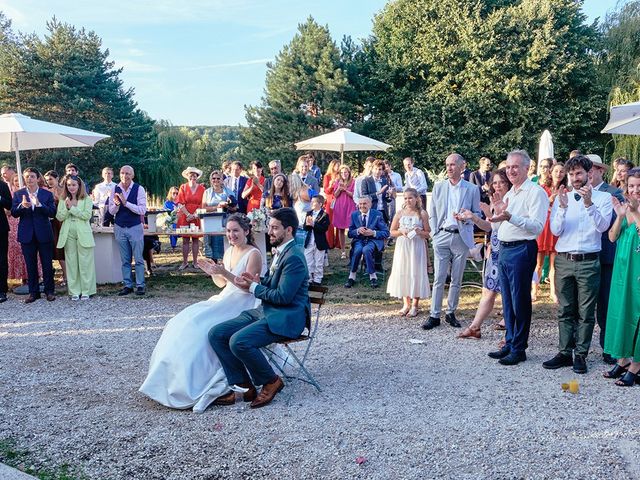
{"points": [[184, 371], [409, 279]]}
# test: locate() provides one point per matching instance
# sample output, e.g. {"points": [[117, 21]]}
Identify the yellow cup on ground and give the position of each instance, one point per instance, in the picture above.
{"points": [[573, 386]]}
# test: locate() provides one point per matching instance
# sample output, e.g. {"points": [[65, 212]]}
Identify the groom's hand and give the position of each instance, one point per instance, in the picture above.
{"points": [[242, 283], [251, 278]]}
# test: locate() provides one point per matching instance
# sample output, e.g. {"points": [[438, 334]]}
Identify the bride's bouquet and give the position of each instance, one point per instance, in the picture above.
{"points": [[258, 218]]}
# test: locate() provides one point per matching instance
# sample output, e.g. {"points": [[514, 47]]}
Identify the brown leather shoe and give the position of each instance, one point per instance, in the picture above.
{"points": [[50, 297], [230, 397], [30, 299], [268, 393], [470, 332]]}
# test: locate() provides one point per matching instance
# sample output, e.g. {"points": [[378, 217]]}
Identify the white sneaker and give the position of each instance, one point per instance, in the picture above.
{"points": [[85, 297], [75, 298]]}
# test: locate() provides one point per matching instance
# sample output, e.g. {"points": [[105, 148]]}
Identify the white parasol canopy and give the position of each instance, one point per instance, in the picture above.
{"points": [[19, 132], [545, 148], [624, 119], [342, 140]]}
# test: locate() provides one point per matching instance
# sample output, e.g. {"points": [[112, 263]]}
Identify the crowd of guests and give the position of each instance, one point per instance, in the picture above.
{"points": [[562, 223]]}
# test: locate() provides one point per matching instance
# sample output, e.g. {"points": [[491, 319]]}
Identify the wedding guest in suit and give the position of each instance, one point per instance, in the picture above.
{"points": [[5, 204], [366, 171], [623, 318], [128, 204], [578, 219], [284, 315], [608, 252], [236, 182], [482, 177], [376, 187], [75, 208], [189, 200], [342, 190], [395, 187], [500, 185], [71, 169], [274, 169], [522, 211], [369, 232], [34, 206], [314, 169], [409, 280], [316, 225], [452, 237], [254, 187], [52, 183]]}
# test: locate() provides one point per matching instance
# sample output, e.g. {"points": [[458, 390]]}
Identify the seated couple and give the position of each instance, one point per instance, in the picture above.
{"points": [[212, 349]]}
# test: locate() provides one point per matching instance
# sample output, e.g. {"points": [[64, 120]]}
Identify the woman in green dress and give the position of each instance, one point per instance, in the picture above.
{"points": [[622, 339]]}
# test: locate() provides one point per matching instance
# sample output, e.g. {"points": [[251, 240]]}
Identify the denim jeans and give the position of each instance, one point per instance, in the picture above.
{"points": [[131, 243]]}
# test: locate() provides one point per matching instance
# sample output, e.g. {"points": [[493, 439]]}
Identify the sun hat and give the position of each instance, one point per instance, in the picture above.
{"points": [[189, 170], [597, 161]]}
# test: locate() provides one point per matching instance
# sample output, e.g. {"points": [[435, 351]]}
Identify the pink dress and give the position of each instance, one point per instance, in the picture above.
{"points": [[17, 265], [343, 207]]}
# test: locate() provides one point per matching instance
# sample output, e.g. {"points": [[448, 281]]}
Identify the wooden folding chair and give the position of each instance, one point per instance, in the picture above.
{"points": [[317, 295], [472, 266]]}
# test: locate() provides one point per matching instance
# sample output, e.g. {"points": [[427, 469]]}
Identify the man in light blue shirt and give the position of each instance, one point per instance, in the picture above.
{"points": [[578, 218]]}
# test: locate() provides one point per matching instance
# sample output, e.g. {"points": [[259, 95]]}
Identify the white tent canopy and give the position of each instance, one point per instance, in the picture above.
{"points": [[545, 148], [624, 119], [19, 132], [342, 140]]}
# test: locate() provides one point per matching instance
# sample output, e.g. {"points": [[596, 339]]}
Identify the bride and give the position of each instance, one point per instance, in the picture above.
{"points": [[184, 371]]}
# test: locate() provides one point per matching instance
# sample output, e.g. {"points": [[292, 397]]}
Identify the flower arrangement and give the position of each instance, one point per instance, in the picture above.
{"points": [[258, 219], [165, 221]]}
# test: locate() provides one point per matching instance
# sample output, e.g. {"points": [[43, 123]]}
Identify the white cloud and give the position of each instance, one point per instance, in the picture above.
{"points": [[138, 67], [227, 65]]}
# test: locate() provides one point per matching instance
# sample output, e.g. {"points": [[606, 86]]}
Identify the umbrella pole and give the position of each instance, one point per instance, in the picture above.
{"points": [[341, 154], [18, 166]]}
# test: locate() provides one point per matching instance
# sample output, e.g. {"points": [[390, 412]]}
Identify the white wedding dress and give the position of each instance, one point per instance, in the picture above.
{"points": [[184, 371]]}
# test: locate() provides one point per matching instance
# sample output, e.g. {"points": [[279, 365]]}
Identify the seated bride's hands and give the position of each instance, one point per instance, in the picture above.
{"points": [[251, 278], [209, 266], [242, 282]]}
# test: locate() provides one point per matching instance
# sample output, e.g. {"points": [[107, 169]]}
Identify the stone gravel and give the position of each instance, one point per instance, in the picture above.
{"points": [[390, 408]]}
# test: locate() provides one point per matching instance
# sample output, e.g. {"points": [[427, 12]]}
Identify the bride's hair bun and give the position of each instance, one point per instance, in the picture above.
{"points": [[245, 224]]}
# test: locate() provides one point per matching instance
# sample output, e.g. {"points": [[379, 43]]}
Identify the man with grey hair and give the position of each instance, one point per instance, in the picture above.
{"points": [[128, 204], [452, 237], [275, 168], [521, 216]]}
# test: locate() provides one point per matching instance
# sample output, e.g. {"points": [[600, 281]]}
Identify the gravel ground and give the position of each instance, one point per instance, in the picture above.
{"points": [[69, 374]]}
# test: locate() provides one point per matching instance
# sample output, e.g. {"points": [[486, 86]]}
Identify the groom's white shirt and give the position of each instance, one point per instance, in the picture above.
{"points": [[279, 250]]}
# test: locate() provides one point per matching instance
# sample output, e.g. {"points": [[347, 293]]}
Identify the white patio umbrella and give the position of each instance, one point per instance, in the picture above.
{"points": [[342, 140], [19, 132], [624, 119], [545, 148]]}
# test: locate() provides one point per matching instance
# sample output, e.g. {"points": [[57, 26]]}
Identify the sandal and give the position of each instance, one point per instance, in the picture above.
{"points": [[470, 332], [184, 266], [628, 379], [499, 326], [403, 311], [413, 312], [617, 371]]}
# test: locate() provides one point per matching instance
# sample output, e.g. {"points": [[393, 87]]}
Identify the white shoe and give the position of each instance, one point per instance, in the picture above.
{"points": [[84, 297], [75, 298]]}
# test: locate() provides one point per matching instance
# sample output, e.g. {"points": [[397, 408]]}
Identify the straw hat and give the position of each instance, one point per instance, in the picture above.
{"points": [[189, 170], [597, 161]]}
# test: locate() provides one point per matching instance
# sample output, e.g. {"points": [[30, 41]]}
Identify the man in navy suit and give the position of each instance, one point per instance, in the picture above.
{"points": [[607, 253], [376, 187], [236, 183], [369, 232], [5, 204], [284, 315], [35, 207]]}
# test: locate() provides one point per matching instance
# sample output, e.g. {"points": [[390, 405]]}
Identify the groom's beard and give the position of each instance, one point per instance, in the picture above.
{"points": [[276, 241]]}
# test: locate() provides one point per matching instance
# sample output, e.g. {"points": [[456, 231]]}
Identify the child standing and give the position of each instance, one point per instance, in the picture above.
{"points": [[316, 225]]}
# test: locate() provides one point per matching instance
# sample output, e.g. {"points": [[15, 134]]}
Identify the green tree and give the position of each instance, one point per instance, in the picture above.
{"points": [[306, 94], [482, 77], [66, 77], [619, 68]]}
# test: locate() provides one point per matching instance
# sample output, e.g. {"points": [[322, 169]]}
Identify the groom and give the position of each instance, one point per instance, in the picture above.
{"points": [[284, 314]]}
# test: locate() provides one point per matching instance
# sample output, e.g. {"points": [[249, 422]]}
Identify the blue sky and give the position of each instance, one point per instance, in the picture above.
{"points": [[198, 62]]}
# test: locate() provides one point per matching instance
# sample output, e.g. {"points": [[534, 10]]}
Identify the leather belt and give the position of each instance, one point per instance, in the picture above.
{"points": [[580, 257], [450, 230], [515, 243]]}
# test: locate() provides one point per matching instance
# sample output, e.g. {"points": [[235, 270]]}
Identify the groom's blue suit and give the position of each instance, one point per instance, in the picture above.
{"points": [[284, 314]]}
